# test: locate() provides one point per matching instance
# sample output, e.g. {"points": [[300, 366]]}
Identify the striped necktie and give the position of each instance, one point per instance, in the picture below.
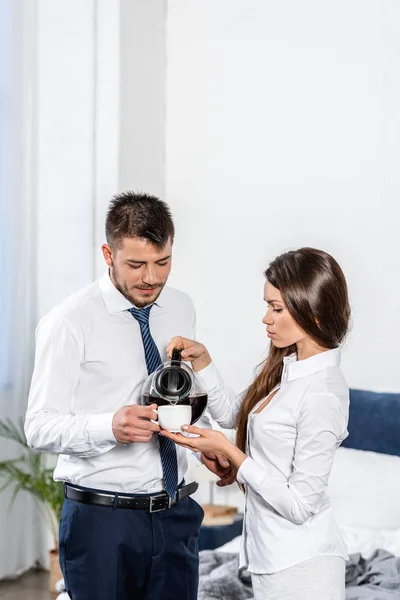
{"points": [[153, 360]]}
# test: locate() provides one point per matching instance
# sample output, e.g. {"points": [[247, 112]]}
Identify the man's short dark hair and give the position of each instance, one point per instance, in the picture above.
{"points": [[138, 215]]}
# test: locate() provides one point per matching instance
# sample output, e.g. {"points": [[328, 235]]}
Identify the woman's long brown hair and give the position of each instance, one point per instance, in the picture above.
{"points": [[314, 290]]}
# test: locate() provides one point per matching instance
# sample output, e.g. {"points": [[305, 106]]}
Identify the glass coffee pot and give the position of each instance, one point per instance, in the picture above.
{"points": [[173, 385]]}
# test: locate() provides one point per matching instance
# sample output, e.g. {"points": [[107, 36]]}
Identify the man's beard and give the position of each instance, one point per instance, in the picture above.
{"points": [[122, 287]]}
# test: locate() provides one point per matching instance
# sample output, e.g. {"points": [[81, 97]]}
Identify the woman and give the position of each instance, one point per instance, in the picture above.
{"points": [[289, 423]]}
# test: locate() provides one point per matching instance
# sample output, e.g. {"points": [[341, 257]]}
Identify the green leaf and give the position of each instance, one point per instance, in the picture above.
{"points": [[28, 472]]}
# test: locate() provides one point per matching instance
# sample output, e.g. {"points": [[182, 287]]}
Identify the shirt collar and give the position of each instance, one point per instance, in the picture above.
{"points": [[300, 368], [114, 300]]}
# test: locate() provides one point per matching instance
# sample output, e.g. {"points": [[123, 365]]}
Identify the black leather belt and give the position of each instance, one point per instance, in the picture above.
{"points": [[118, 500]]}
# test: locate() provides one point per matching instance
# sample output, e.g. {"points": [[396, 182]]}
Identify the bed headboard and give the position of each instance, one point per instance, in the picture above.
{"points": [[374, 422]]}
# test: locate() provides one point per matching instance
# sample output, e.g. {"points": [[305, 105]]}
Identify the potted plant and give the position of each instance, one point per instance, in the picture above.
{"points": [[30, 472]]}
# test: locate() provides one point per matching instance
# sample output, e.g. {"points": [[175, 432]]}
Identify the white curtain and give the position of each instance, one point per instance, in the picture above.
{"points": [[23, 537]]}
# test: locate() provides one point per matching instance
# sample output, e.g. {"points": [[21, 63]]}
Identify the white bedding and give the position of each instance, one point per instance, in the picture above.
{"points": [[365, 541], [364, 487]]}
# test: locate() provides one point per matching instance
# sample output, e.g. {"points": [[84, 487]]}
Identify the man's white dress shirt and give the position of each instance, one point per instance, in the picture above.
{"points": [[291, 444], [89, 363]]}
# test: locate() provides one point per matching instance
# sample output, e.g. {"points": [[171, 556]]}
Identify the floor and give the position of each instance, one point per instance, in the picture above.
{"points": [[30, 586]]}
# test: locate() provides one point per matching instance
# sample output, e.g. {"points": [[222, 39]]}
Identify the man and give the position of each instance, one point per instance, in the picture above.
{"points": [[129, 527]]}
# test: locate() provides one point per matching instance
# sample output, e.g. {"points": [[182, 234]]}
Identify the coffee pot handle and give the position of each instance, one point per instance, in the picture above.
{"points": [[176, 357]]}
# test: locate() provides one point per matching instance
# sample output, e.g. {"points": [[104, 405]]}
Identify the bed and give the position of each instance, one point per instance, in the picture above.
{"points": [[365, 491]]}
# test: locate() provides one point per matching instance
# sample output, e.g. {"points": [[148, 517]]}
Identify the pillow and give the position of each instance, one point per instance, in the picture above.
{"points": [[357, 539], [232, 546], [364, 488], [374, 422], [366, 541]]}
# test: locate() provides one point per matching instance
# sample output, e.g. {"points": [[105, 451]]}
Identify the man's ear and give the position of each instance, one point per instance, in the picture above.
{"points": [[108, 255]]}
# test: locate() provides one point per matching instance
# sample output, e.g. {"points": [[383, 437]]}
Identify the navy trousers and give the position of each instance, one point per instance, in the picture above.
{"points": [[124, 554]]}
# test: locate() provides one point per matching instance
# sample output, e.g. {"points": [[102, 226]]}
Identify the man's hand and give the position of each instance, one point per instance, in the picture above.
{"points": [[132, 423], [220, 466]]}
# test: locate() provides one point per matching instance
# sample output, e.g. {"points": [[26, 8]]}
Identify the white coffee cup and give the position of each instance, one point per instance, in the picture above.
{"points": [[173, 417]]}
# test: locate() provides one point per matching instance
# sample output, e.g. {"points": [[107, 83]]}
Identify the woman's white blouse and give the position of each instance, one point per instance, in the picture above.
{"points": [[291, 445]]}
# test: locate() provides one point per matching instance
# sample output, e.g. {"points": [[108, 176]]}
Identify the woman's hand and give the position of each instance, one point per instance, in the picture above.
{"points": [[209, 440], [192, 351]]}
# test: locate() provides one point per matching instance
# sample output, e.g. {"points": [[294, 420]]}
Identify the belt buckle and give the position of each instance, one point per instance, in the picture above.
{"points": [[155, 499]]}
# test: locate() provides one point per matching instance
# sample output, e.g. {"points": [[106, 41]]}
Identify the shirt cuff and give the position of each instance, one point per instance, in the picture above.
{"points": [[250, 473], [100, 429], [209, 377], [197, 455]]}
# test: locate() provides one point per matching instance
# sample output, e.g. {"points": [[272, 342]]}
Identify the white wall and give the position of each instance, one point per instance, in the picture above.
{"points": [[283, 130], [65, 155], [142, 101], [101, 95], [77, 140]]}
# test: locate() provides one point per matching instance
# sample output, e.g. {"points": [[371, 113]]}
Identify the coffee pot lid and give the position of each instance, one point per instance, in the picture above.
{"points": [[173, 381]]}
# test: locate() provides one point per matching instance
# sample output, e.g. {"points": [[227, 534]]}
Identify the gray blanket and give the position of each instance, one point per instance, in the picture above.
{"points": [[375, 578]]}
